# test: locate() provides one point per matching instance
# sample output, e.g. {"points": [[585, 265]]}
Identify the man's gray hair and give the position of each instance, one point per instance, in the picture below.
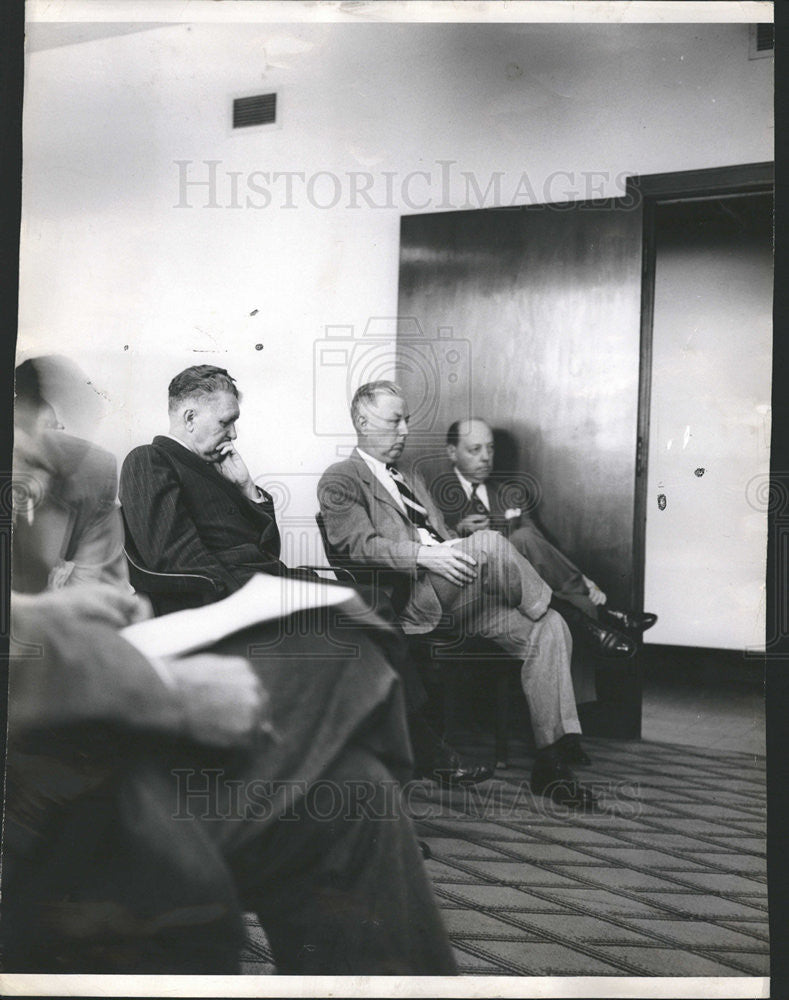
{"points": [[197, 381], [367, 395]]}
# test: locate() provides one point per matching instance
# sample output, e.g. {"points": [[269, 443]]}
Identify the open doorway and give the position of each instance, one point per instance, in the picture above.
{"points": [[703, 454], [709, 419]]}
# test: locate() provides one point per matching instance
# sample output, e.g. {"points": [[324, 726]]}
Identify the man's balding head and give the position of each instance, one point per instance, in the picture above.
{"points": [[470, 448]]}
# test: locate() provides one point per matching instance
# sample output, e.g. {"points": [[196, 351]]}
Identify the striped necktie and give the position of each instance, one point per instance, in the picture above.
{"points": [[417, 514], [477, 506]]}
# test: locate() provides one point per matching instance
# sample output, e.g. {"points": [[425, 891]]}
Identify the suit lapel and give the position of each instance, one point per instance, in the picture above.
{"points": [[182, 454], [378, 491], [420, 493], [261, 515]]}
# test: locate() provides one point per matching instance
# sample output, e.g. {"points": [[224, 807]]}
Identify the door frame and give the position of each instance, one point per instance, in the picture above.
{"points": [[650, 191]]}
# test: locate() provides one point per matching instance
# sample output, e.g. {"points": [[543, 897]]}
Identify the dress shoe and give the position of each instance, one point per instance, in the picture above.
{"points": [[454, 772], [631, 621], [552, 778], [570, 748], [604, 641]]}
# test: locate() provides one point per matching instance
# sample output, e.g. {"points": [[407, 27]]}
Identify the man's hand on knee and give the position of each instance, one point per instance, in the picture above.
{"points": [[445, 560]]}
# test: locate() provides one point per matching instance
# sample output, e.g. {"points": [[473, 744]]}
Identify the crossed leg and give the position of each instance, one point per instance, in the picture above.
{"points": [[504, 577], [508, 603]]}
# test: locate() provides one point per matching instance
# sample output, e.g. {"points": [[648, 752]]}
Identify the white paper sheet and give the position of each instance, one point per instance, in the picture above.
{"points": [[264, 598]]}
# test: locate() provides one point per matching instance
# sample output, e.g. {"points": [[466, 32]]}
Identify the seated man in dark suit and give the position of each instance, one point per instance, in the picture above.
{"points": [[382, 518], [188, 499], [471, 500], [190, 506]]}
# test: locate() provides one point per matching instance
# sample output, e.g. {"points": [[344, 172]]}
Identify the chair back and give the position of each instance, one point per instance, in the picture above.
{"points": [[391, 588], [333, 557], [167, 591]]}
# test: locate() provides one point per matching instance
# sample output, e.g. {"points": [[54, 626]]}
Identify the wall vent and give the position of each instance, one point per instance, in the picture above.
{"points": [[762, 41], [258, 110]]}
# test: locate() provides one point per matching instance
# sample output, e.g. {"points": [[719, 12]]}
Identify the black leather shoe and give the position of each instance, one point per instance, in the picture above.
{"points": [[552, 778], [604, 641], [630, 621], [570, 748], [454, 773]]}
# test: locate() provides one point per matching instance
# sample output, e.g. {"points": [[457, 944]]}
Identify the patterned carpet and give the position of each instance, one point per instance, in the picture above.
{"points": [[669, 880]]}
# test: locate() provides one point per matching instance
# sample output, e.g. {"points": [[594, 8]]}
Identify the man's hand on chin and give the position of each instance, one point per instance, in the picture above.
{"points": [[231, 465]]}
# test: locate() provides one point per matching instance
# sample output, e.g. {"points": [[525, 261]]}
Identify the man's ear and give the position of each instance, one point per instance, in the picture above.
{"points": [[188, 417], [452, 453]]}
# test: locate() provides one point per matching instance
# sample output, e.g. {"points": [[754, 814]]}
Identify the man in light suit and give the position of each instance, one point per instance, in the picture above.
{"points": [[191, 506], [382, 519], [472, 501]]}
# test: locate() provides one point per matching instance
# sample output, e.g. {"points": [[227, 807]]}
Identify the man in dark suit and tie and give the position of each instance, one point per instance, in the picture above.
{"points": [[382, 518], [188, 500], [190, 506], [471, 500]]}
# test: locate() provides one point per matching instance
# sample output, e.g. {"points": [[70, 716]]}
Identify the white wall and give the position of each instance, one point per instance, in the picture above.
{"points": [[136, 288]]}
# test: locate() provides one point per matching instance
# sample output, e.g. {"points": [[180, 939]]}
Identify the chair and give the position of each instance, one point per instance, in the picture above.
{"points": [[441, 651], [168, 592]]}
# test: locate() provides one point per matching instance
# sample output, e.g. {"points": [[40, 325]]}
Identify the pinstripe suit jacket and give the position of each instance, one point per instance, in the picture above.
{"points": [[185, 517]]}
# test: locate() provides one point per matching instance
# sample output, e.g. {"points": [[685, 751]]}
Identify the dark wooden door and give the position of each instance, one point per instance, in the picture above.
{"points": [[531, 319]]}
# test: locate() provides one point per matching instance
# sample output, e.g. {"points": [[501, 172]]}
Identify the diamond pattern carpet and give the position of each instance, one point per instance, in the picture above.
{"points": [[667, 879]]}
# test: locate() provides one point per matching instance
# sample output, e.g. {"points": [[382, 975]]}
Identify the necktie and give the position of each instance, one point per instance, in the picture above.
{"points": [[417, 514], [477, 506]]}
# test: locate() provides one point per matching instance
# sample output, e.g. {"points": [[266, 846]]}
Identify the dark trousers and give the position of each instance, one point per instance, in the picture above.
{"points": [[346, 895], [139, 865]]}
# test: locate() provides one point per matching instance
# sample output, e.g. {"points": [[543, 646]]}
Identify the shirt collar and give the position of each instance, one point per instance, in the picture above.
{"points": [[375, 463], [465, 483], [468, 486]]}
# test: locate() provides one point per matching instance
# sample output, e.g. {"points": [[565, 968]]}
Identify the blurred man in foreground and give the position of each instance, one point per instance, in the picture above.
{"points": [[150, 801]]}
